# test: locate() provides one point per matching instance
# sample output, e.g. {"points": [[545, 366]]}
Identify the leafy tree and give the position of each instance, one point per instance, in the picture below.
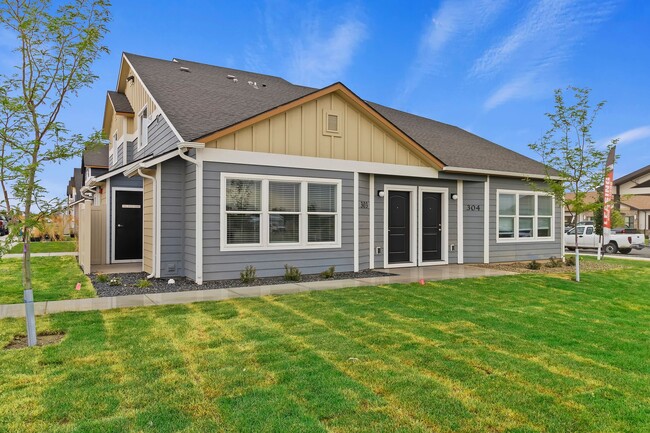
{"points": [[55, 47], [574, 163]]}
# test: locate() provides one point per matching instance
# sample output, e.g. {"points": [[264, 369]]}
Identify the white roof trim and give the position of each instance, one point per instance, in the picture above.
{"points": [[110, 174], [152, 98], [497, 173]]}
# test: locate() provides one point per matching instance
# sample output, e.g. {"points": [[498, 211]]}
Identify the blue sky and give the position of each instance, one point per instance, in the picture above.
{"points": [[488, 66]]}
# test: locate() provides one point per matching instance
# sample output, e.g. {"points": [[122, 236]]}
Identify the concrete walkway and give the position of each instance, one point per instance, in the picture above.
{"points": [[403, 275], [20, 256]]}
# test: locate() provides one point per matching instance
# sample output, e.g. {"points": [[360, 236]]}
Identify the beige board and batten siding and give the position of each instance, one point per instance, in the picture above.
{"points": [[300, 131], [147, 225], [138, 97], [98, 231]]}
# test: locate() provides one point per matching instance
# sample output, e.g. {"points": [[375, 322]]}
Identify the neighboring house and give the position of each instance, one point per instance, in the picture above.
{"points": [[74, 200], [632, 197], [212, 169]]}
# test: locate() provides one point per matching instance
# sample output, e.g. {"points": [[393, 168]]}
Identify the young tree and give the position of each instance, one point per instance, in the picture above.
{"points": [[574, 163], [55, 47]]}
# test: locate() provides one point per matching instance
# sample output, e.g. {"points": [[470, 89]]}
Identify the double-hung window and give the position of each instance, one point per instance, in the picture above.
{"points": [[273, 212], [143, 126], [524, 216]]}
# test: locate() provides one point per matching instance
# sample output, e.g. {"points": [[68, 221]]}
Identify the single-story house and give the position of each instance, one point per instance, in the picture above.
{"points": [[211, 169], [632, 199]]}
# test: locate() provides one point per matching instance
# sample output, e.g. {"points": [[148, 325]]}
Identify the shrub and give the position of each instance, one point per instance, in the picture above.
{"points": [[291, 273], [534, 265], [115, 282], [248, 275], [554, 262], [570, 261], [102, 278], [328, 273], [143, 283]]}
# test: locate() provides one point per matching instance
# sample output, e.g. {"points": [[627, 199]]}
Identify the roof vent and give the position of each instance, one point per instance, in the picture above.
{"points": [[254, 84], [175, 60], [185, 69], [230, 77]]}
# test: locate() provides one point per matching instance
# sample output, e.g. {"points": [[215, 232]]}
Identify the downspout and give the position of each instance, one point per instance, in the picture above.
{"points": [[198, 162], [154, 262]]}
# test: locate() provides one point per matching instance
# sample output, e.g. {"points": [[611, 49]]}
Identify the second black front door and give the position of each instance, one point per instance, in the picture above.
{"points": [[399, 227], [431, 226], [128, 225]]}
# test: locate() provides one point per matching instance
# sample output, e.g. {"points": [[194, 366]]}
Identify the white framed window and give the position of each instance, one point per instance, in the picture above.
{"points": [[279, 212], [143, 130], [525, 216]]}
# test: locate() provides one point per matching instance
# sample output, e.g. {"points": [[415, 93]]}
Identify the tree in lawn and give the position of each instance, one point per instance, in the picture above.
{"points": [[55, 48], [574, 163]]}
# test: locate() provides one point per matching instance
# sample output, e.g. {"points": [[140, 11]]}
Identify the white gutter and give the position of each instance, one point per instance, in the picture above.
{"points": [[153, 223], [497, 173]]}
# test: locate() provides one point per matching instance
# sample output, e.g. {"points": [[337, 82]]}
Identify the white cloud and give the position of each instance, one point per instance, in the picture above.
{"points": [[545, 37], [319, 59], [454, 20], [517, 88], [298, 47], [629, 136]]}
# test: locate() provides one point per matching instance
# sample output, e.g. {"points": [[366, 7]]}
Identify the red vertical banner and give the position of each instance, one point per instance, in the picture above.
{"points": [[608, 189]]}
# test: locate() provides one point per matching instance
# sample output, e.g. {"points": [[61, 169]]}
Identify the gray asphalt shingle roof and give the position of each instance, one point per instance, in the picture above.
{"points": [[204, 100], [95, 157], [120, 102]]}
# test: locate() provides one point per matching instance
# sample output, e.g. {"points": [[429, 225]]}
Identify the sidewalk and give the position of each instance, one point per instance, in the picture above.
{"points": [[20, 256], [402, 275]]}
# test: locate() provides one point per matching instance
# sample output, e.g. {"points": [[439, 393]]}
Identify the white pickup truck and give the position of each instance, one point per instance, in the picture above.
{"points": [[587, 238]]}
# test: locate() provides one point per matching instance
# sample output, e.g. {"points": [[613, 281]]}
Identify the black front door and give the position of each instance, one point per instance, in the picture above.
{"points": [[128, 225], [431, 226], [399, 230]]}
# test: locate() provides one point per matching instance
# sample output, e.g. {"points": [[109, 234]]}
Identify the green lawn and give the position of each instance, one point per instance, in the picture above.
{"points": [[526, 353], [47, 247], [53, 278]]}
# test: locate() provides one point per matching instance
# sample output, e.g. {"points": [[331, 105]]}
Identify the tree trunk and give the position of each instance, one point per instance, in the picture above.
{"points": [[577, 252], [28, 294]]}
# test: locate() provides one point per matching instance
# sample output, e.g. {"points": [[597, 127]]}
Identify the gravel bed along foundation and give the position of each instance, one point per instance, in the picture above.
{"points": [[522, 267], [129, 282]]}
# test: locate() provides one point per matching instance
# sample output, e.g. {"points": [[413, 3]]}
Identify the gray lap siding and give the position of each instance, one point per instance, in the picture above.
{"points": [[219, 264], [522, 250], [172, 215]]}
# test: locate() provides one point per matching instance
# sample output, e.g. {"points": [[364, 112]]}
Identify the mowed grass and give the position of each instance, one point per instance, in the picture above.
{"points": [[53, 278], [47, 247], [527, 353]]}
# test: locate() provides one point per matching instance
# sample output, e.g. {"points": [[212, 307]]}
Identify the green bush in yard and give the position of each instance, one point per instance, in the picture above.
{"points": [[328, 273], [248, 275], [291, 273]]}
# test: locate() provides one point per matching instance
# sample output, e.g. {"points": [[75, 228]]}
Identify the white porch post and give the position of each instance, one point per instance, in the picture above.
{"points": [[459, 222]]}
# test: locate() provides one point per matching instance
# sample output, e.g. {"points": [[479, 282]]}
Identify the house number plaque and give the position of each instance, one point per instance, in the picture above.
{"points": [[473, 207]]}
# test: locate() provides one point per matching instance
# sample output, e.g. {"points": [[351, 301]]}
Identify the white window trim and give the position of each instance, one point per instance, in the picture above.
{"points": [[536, 215], [113, 194], [264, 244], [444, 210], [140, 130]]}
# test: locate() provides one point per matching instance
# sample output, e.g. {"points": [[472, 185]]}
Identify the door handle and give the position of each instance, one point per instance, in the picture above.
{"points": [[120, 225], [439, 227]]}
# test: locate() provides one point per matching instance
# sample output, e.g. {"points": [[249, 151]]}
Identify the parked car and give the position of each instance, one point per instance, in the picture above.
{"points": [[614, 242], [4, 226]]}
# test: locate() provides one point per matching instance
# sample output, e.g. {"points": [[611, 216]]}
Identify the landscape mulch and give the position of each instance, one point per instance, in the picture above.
{"points": [[128, 282]]}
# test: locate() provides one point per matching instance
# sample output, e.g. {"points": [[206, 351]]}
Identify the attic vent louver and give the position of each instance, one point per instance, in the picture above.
{"points": [[254, 84], [185, 69]]}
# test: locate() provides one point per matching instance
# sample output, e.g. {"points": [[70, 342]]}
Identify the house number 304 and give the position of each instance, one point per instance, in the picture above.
{"points": [[363, 204], [474, 207]]}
